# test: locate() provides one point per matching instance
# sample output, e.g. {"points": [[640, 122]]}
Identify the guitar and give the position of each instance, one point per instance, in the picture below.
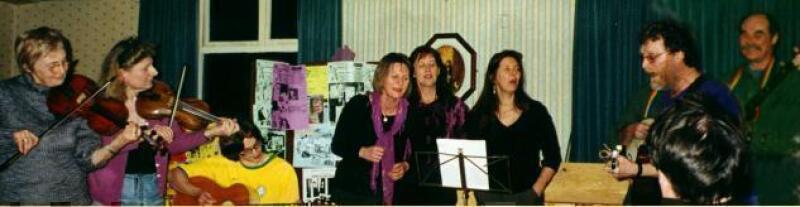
{"points": [[643, 190], [236, 194], [632, 149]]}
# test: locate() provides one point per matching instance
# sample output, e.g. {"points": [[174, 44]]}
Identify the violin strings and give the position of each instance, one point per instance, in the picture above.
{"points": [[197, 112]]}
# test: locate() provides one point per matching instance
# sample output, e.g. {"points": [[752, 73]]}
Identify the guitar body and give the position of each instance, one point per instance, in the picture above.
{"points": [[236, 194], [643, 190], [632, 149]]}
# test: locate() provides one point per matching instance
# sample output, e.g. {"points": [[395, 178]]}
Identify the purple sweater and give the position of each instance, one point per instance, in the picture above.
{"points": [[105, 184]]}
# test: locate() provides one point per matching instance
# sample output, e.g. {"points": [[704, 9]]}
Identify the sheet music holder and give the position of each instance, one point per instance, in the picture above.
{"points": [[462, 164]]}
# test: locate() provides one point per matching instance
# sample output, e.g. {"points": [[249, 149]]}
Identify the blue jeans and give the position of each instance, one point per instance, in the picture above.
{"points": [[141, 189]]}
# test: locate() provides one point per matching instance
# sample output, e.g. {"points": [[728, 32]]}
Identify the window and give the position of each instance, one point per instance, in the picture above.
{"points": [[232, 35], [230, 80], [233, 21]]}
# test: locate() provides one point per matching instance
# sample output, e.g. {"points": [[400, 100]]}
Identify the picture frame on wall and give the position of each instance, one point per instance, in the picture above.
{"points": [[460, 61]]}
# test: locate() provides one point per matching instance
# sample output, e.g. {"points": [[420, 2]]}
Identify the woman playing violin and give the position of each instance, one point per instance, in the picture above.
{"points": [[54, 163], [136, 175]]}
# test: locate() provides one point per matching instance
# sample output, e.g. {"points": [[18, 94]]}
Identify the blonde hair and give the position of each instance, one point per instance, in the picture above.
{"points": [[35, 43], [383, 69], [123, 56]]}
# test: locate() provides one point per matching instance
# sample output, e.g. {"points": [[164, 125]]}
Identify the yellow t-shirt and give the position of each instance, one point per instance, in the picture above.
{"points": [[275, 182]]}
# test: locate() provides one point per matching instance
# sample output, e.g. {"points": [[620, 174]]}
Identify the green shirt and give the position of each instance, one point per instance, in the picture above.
{"points": [[770, 114]]}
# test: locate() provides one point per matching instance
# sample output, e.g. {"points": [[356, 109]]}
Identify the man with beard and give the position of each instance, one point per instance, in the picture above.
{"points": [[632, 128], [671, 60]]}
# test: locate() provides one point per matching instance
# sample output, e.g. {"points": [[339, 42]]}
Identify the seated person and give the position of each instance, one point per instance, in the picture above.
{"points": [[701, 156], [268, 178]]}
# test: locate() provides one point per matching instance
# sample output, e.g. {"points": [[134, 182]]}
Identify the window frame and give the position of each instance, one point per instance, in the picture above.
{"points": [[264, 44]]}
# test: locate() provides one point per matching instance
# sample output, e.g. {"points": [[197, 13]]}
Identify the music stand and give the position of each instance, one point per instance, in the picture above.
{"points": [[469, 166]]}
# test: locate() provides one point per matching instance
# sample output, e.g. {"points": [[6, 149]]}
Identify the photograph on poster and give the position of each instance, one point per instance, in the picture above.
{"points": [[276, 143], [290, 98], [262, 103], [315, 184], [316, 109], [312, 147], [340, 93]]}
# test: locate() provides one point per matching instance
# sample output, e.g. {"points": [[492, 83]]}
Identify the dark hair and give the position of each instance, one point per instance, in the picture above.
{"points": [[700, 150], [676, 39], [488, 102], [231, 147], [443, 88], [123, 56], [773, 25], [382, 71]]}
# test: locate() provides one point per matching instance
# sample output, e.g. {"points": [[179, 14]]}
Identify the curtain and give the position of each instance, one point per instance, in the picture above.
{"points": [[319, 29], [172, 26], [607, 67], [716, 25], [606, 70]]}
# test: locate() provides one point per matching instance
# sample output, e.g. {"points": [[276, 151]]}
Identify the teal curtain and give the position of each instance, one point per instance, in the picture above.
{"points": [[715, 24], [319, 25], [607, 67], [172, 26], [606, 70]]}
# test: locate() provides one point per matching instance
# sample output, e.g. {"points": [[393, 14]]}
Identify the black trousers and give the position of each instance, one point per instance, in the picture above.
{"points": [[500, 199], [343, 197]]}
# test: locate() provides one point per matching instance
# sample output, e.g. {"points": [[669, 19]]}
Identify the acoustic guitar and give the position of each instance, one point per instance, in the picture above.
{"points": [[633, 147], [236, 194], [643, 190]]}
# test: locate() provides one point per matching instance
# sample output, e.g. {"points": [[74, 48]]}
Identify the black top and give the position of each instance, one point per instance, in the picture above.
{"points": [[141, 160], [428, 122], [442, 118], [353, 131], [522, 142]]}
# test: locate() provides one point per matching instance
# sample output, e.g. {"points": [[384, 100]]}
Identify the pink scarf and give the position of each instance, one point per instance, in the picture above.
{"points": [[386, 140]]}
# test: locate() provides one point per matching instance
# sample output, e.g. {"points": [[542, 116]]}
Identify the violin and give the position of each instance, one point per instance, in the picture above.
{"points": [[105, 116], [157, 103]]}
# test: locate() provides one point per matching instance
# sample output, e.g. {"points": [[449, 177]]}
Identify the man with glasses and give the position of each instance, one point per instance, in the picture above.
{"points": [[267, 178], [670, 58]]}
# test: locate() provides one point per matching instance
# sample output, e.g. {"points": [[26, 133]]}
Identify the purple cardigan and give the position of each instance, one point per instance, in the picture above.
{"points": [[105, 184]]}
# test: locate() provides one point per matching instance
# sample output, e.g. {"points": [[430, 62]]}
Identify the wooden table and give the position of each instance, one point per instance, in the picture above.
{"points": [[585, 184]]}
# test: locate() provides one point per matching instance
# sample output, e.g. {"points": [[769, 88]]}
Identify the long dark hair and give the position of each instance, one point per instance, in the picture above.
{"points": [[488, 101], [444, 91]]}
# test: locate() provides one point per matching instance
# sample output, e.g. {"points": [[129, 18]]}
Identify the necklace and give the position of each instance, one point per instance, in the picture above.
{"points": [[385, 118]]}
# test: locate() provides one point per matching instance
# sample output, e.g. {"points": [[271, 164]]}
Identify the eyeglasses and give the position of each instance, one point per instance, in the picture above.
{"points": [[429, 65], [255, 149], [651, 58], [53, 65]]}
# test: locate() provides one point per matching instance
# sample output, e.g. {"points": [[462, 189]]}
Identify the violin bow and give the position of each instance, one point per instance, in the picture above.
{"points": [[177, 99], [50, 128]]}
